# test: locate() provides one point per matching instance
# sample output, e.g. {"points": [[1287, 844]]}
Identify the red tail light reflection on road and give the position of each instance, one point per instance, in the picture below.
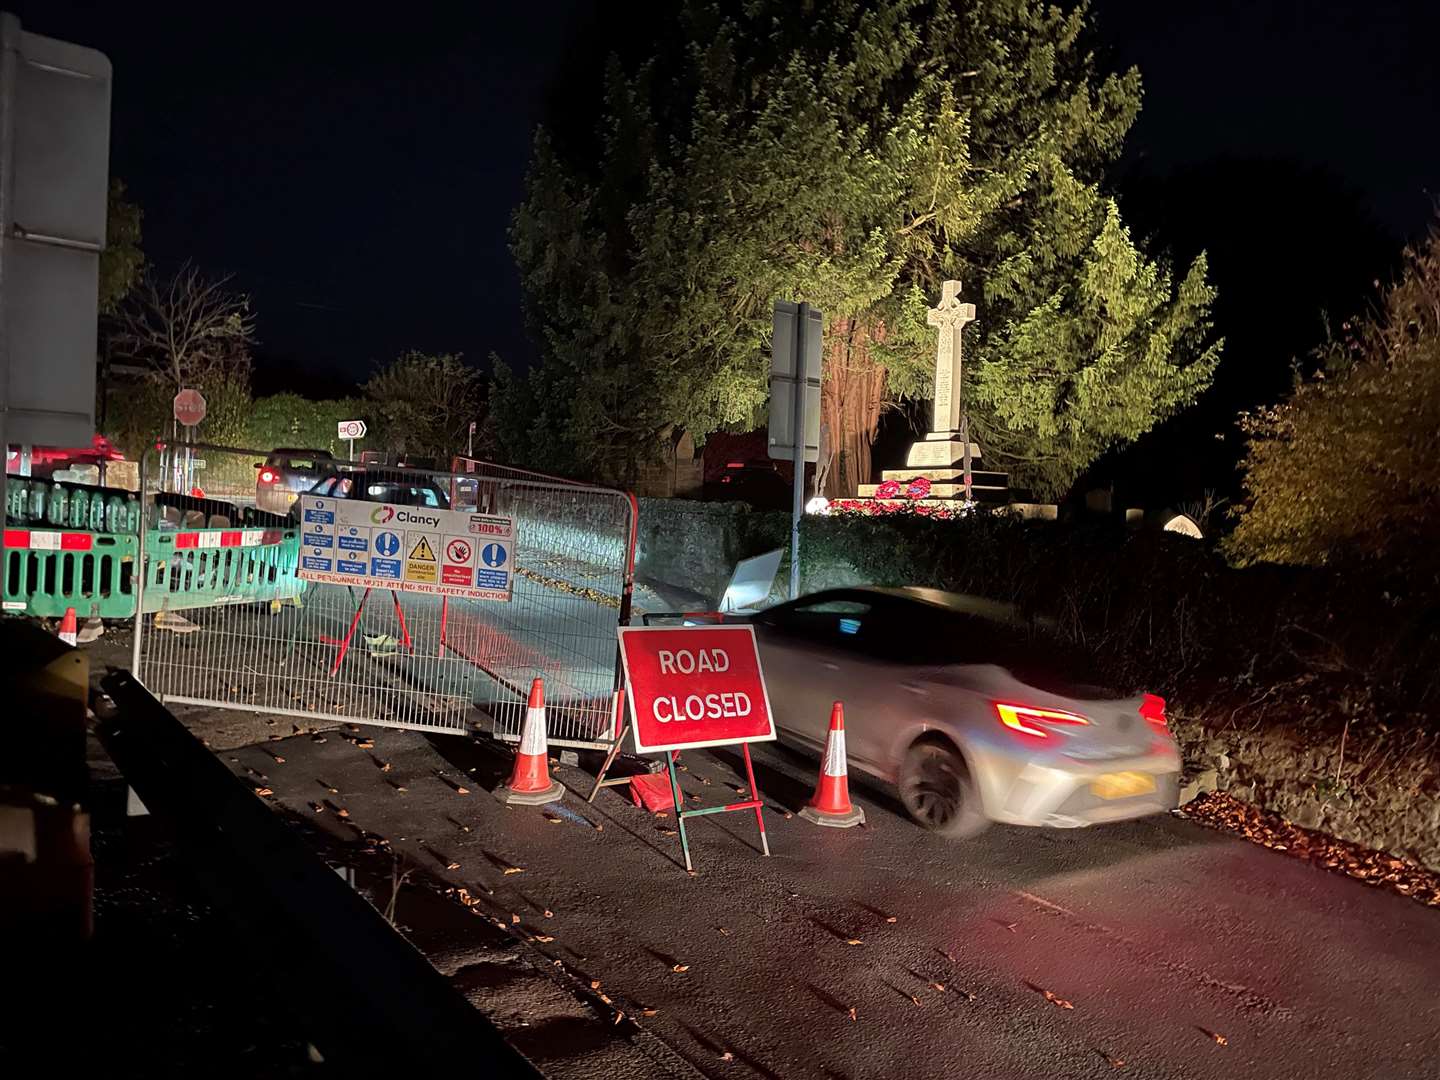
{"points": [[1023, 718]]}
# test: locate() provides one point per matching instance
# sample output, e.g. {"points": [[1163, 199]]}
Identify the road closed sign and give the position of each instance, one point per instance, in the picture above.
{"points": [[694, 686]]}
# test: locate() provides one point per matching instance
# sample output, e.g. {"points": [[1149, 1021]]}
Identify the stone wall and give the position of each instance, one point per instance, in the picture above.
{"points": [[1384, 794], [694, 546]]}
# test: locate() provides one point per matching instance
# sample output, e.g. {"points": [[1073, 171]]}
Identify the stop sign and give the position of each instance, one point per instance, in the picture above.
{"points": [[189, 407]]}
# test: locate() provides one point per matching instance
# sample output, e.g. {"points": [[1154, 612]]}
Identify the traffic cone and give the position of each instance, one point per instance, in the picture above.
{"points": [[67, 627], [831, 804], [529, 783]]}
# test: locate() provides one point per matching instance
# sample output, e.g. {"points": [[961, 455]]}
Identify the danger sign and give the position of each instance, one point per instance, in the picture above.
{"points": [[694, 686]]}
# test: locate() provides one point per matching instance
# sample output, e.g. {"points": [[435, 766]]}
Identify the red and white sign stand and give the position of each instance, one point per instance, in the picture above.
{"points": [[689, 688]]}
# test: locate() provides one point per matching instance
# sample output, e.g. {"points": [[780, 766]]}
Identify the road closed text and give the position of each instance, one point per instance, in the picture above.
{"points": [[694, 686], [694, 707]]}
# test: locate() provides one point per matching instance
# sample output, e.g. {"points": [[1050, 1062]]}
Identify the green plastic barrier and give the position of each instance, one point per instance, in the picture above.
{"points": [[195, 568], [46, 571]]}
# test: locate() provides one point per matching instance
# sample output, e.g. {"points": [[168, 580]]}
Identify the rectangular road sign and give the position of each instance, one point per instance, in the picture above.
{"points": [[694, 686], [406, 548]]}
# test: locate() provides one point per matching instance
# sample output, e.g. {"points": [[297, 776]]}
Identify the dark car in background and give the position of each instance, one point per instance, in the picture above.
{"points": [[381, 486], [758, 484], [286, 473]]}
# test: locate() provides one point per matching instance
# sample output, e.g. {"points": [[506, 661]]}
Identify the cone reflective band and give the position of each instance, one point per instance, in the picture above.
{"points": [[831, 804], [694, 686], [67, 627], [530, 783]]}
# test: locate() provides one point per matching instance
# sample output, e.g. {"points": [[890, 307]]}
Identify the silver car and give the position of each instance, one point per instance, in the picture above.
{"points": [[973, 713]]}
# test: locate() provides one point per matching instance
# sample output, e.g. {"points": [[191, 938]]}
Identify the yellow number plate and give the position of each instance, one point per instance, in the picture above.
{"points": [[1122, 785]]}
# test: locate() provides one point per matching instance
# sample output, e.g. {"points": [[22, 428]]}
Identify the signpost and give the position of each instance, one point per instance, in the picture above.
{"points": [[794, 432], [189, 408], [350, 430], [689, 688]]}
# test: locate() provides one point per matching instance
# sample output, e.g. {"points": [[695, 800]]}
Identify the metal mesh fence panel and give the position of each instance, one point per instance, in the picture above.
{"points": [[227, 619], [575, 564]]}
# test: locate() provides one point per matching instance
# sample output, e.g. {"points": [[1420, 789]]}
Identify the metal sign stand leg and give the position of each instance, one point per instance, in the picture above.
{"points": [[680, 811]]}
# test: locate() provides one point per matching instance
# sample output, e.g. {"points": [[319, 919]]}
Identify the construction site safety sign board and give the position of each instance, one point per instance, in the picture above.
{"points": [[694, 686], [406, 548]]}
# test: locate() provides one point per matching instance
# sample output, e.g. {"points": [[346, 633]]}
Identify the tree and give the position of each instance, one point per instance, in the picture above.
{"points": [[187, 330], [291, 420], [424, 404], [1350, 464], [122, 261], [854, 155]]}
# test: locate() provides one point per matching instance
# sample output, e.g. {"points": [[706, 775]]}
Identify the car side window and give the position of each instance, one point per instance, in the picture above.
{"points": [[833, 620], [325, 487]]}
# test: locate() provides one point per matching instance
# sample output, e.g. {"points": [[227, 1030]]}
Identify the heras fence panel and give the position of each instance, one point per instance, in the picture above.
{"points": [[47, 571], [411, 650], [575, 570], [196, 568]]}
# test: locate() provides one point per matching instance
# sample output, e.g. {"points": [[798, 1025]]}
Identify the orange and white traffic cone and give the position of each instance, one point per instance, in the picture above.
{"points": [[831, 804], [529, 783], [68, 630]]}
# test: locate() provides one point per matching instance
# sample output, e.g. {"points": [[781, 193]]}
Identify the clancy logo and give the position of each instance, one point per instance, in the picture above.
{"points": [[382, 514], [417, 519]]}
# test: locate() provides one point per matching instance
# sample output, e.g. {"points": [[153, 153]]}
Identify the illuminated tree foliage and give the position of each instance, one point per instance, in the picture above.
{"points": [[122, 261], [1350, 464], [422, 405], [854, 155]]}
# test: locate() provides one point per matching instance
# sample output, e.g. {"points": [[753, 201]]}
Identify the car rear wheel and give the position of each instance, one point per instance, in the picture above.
{"points": [[939, 792]]}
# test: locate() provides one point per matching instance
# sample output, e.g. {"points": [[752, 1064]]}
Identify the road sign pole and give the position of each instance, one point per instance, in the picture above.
{"points": [[797, 503], [352, 448]]}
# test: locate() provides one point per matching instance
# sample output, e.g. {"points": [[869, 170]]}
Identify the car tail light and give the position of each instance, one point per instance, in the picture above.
{"points": [[267, 477], [1152, 708], [1028, 721]]}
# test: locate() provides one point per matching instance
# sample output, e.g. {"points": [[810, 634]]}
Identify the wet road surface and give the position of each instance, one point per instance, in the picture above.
{"points": [[1181, 952]]}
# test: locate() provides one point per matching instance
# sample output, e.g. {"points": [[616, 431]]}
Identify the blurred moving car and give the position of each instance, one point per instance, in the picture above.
{"points": [[975, 714], [379, 485], [286, 473]]}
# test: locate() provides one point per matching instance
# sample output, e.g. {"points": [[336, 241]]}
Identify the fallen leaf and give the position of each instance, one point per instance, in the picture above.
{"points": [[549, 914], [278, 759], [1055, 999], [366, 744], [938, 986], [342, 812], [544, 939], [680, 969], [1010, 926], [606, 999], [723, 930], [665, 830], [727, 1056], [620, 1016], [513, 870], [386, 767], [554, 819], [594, 984], [599, 827], [319, 808], [1113, 1061], [514, 919], [262, 791], [452, 865], [916, 1001], [1220, 1040], [853, 941], [890, 918], [649, 1012], [461, 790], [852, 1013]]}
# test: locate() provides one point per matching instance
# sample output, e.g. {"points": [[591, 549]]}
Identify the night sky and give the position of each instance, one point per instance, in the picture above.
{"points": [[356, 174]]}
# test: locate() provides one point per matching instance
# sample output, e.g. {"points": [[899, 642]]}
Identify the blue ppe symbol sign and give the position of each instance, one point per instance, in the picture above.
{"points": [[387, 543], [493, 555]]}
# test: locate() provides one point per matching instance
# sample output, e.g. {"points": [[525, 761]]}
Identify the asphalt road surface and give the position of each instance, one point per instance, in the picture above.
{"points": [[1177, 951]]}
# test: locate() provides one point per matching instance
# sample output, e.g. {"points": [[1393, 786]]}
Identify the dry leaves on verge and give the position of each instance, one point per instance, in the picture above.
{"points": [[513, 870], [1221, 811]]}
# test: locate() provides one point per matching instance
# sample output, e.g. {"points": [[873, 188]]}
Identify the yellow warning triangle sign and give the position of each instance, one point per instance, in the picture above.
{"points": [[422, 551]]}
